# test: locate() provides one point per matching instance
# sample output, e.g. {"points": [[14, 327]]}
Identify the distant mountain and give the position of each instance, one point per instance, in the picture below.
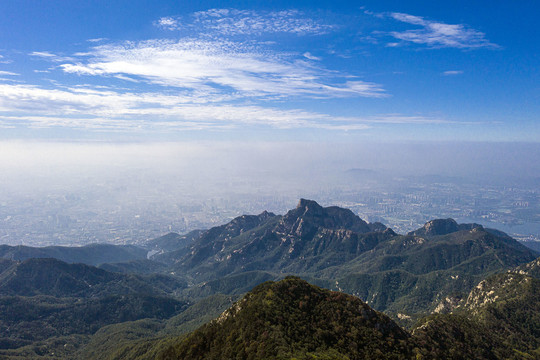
{"points": [[46, 303], [292, 319], [26, 320], [172, 241], [533, 245], [56, 278], [5, 263], [93, 254], [135, 267], [210, 241]]}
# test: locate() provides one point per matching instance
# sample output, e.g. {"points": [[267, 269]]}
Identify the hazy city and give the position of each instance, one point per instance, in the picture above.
{"points": [[122, 197]]}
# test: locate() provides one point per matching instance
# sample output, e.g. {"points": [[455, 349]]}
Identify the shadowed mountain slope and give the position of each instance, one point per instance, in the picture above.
{"points": [[56, 278], [93, 254], [172, 241], [307, 238]]}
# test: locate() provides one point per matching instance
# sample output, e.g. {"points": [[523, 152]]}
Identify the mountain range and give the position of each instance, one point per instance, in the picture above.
{"points": [[431, 284], [334, 248]]}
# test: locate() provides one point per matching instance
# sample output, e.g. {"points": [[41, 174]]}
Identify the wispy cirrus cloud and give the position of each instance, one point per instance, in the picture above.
{"points": [[452, 72], [9, 73], [96, 40], [233, 22], [168, 23], [50, 56], [437, 34], [310, 56], [249, 22], [109, 110], [221, 67], [202, 83], [3, 60]]}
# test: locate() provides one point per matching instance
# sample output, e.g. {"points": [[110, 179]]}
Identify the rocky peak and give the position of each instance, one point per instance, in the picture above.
{"points": [[309, 215], [443, 227], [309, 206], [437, 227], [265, 215]]}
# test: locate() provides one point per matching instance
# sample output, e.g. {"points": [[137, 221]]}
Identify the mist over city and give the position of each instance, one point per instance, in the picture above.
{"points": [[78, 193]]}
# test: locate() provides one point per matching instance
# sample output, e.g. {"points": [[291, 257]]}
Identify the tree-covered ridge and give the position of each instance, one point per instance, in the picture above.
{"points": [[93, 254], [499, 319], [292, 319], [56, 278]]}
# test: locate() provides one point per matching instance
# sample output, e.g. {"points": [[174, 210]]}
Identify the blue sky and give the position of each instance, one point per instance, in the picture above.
{"points": [[269, 70]]}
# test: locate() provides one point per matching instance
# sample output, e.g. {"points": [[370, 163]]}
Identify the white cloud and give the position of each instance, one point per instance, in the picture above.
{"points": [[250, 22], [309, 56], [108, 110], [3, 60], [50, 56], [8, 73], [44, 54], [437, 34], [168, 23], [96, 40], [201, 83], [452, 72], [220, 68]]}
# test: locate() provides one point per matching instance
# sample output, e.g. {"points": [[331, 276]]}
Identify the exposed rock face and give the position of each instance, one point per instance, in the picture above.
{"points": [[532, 269], [449, 304], [437, 227]]}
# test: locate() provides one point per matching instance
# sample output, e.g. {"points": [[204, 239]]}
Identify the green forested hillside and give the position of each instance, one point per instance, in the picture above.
{"points": [[117, 340], [499, 319], [46, 299], [293, 319]]}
